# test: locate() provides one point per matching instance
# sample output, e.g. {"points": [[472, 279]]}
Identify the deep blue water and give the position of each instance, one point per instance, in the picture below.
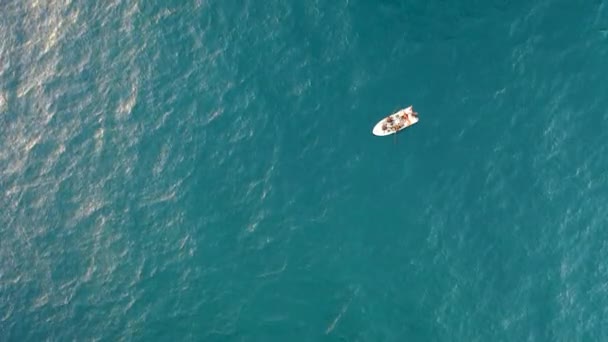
{"points": [[205, 171]]}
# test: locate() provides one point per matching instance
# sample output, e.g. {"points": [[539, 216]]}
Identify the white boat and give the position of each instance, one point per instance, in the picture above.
{"points": [[396, 122]]}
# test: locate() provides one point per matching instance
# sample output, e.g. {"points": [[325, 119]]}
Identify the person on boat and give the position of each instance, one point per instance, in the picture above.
{"points": [[414, 113]]}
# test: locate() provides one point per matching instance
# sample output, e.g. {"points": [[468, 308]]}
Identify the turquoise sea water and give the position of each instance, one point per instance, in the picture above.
{"points": [[205, 171]]}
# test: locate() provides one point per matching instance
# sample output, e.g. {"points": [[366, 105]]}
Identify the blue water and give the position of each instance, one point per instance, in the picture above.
{"points": [[205, 171]]}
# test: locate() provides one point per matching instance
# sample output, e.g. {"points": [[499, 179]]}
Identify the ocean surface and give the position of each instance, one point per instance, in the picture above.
{"points": [[205, 170]]}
